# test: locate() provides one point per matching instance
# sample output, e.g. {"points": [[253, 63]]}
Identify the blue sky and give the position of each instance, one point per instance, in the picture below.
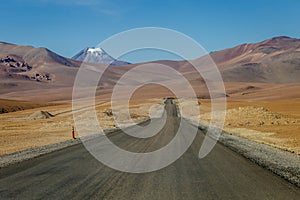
{"points": [[67, 26]]}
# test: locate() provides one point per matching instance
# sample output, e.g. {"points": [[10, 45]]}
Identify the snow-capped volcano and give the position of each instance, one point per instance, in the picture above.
{"points": [[97, 55]]}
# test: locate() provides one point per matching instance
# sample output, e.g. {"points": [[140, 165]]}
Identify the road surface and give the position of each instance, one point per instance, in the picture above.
{"points": [[72, 173]]}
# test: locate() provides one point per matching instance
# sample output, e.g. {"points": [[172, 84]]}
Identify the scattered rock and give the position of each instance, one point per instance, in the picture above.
{"points": [[108, 112], [40, 115]]}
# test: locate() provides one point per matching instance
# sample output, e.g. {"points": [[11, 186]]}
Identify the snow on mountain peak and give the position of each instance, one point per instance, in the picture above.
{"points": [[95, 50], [97, 55]]}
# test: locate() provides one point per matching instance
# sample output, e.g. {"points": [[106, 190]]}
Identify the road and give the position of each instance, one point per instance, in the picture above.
{"points": [[72, 173]]}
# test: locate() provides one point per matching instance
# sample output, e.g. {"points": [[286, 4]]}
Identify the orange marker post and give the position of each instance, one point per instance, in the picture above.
{"points": [[73, 133]]}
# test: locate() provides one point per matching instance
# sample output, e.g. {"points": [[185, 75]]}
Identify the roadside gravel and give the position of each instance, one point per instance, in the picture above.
{"points": [[27, 154]]}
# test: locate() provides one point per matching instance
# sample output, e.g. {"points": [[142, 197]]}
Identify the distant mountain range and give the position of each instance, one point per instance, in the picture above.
{"points": [[25, 68], [276, 60], [26, 65], [98, 55]]}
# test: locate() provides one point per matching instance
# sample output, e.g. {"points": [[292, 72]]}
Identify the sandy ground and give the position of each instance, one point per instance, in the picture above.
{"points": [[7, 106], [276, 123], [32, 128]]}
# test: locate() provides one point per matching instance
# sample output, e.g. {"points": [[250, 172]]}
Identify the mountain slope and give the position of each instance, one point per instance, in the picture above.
{"points": [[25, 68], [255, 52], [274, 64], [97, 55], [34, 56], [274, 60]]}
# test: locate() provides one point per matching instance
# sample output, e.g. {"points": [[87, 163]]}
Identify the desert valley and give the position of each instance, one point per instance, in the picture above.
{"points": [[261, 80], [144, 100]]}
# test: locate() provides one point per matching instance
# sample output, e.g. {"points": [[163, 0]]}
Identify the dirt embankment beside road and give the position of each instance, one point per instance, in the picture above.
{"points": [[276, 123], [46, 125]]}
